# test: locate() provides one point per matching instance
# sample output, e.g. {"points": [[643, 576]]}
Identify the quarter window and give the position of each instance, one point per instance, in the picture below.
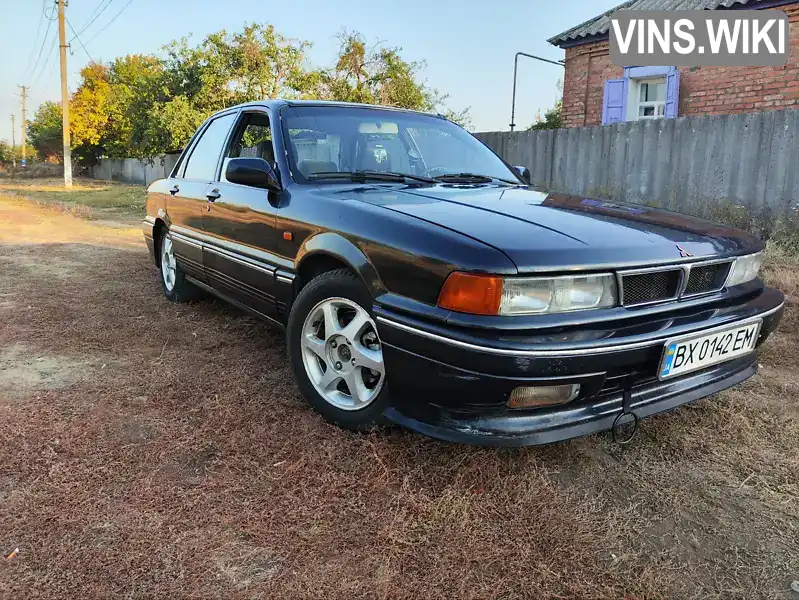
{"points": [[205, 155]]}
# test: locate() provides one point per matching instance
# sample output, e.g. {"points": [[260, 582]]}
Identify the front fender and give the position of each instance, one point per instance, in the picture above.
{"points": [[340, 248]]}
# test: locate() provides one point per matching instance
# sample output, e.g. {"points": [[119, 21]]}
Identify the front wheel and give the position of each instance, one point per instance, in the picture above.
{"points": [[335, 351]]}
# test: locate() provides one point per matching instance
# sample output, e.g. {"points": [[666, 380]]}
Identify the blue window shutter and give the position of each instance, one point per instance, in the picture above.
{"points": [[672, 94], [614, 106]]}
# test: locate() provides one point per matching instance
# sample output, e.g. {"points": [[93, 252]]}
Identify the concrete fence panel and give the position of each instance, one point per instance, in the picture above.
{"points": [[133, 170], [692, 164]]}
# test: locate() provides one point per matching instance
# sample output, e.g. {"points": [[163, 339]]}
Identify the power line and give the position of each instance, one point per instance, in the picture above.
{"points": [[46, 62], [44, 41], [79, 40], [111, 21], [90, 20], [92, 17], [36, 39]]}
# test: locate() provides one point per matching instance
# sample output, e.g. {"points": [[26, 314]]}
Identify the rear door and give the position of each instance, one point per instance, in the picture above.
{"points": [[188, 187], [239, 223]]}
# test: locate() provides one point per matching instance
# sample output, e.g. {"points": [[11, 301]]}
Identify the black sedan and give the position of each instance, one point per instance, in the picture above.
{"points": [[423, 282]]}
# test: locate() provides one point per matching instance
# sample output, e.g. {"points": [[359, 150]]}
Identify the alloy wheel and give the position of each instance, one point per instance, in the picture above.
{"points": [[342, 355]]}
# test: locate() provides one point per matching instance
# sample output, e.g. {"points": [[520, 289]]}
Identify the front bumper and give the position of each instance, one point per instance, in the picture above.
{"points": [[454, 384]]}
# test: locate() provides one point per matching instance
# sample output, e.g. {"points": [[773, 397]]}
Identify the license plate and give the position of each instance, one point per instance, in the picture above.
{"points": [[688, 354]]}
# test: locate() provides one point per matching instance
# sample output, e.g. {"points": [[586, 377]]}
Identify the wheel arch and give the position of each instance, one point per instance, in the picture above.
{"points": [[329, 251]]}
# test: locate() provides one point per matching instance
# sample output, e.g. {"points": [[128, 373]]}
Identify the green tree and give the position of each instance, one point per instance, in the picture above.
{"points": [[89, 113], [6, 152], [45, 132], [138, 82], [142, 106], [377, 75], [552, 119], [170, 125]]}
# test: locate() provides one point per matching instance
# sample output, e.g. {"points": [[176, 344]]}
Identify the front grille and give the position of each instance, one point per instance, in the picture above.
{"points": [[654, 286], [707, 278]]}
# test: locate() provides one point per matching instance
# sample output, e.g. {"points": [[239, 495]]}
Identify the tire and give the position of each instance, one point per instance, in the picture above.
{"points": [[173, 279], [331, 338]]}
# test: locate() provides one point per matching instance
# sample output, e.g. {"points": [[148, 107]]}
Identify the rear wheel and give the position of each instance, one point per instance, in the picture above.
{"points": [[335, 351]]}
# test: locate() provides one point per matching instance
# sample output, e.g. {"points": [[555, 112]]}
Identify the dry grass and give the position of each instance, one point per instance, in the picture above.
{"points": [[88, 198], [161, 450]]}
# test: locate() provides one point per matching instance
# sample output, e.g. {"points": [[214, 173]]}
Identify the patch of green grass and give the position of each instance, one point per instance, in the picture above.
{"points": [[103, 199]]}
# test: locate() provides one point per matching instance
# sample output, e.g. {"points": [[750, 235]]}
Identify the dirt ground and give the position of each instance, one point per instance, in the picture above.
{"points": [[156, 450]]}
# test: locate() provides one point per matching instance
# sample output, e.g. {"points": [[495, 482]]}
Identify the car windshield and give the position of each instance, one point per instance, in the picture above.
{"points": [[332, 143]]}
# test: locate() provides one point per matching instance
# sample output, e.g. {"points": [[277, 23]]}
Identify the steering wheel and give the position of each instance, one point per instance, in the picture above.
{"points": [[436, 171]]}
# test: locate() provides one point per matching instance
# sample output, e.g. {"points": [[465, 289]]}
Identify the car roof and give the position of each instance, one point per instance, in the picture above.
{"points": [[281, 102]]}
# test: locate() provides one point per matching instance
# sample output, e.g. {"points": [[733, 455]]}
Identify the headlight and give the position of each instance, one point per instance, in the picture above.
{"points": [[536, 295], [491, 295], [745, 268]]}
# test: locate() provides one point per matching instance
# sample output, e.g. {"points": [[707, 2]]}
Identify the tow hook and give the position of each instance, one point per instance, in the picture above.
{"points": [[624, 429]]}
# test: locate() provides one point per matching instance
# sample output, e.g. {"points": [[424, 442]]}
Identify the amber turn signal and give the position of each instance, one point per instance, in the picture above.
{"points": [[473, 294]]}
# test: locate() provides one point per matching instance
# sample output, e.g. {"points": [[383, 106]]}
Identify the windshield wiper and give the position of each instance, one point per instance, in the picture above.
{"points": [[471, 178], [363, 176]]}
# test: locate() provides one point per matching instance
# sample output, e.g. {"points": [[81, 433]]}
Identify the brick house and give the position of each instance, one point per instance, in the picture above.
{"points": [[595, 91]]}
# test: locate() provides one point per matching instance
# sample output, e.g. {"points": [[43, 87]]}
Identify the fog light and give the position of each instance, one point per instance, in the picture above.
{"points": [[549, 395]]}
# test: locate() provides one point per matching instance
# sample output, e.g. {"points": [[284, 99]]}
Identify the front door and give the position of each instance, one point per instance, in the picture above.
{"points": [[239, 223], [188, 188]]}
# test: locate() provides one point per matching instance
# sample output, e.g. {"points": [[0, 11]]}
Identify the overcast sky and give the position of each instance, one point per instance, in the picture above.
{"points": [[468, 45]]}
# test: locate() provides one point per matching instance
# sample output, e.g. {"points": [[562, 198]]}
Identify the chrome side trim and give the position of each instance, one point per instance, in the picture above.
{"points": [[284, 279], [246, 252], [235, 259], [185, 240], [571, 352]]}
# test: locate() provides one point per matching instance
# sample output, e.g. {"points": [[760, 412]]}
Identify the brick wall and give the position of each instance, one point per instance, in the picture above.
{"points": [[703, 90]]}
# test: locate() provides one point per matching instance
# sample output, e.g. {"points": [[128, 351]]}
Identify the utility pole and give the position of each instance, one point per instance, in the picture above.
{"points": [[62, 40], [24, 124], [14, 139]]}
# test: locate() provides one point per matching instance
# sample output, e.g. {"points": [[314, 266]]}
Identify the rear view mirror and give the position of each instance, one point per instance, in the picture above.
{"points": [[379, 127], [255, 172], [524, 172]]}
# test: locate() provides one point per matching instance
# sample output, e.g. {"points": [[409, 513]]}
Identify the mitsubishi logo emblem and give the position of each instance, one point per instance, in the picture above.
{"points": [[683, 252]]}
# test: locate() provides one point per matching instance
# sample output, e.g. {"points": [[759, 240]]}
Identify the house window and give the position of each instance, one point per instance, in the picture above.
{"points": [[649, 99], [643, 93]]}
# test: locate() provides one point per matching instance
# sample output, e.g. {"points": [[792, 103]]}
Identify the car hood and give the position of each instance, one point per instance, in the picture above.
{"points": [[539, 231]]}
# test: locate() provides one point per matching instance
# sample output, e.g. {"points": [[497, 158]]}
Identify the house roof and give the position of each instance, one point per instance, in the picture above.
{"points": [[599, 26]]}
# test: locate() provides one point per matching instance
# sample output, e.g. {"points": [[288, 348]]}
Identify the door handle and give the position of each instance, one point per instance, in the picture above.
{"points": [[174, 190], [213, 195]]}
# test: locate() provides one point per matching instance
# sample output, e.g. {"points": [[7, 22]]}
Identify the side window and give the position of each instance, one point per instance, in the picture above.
{"points": [[252, 139], [205, 155]]}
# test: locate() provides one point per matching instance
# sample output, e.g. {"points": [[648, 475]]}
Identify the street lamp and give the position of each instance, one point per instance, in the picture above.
{"points": [[560, 63]]}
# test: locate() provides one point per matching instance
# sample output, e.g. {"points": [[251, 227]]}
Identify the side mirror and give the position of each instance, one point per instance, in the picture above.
{"points": [[255, 172], [524, 172]]}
